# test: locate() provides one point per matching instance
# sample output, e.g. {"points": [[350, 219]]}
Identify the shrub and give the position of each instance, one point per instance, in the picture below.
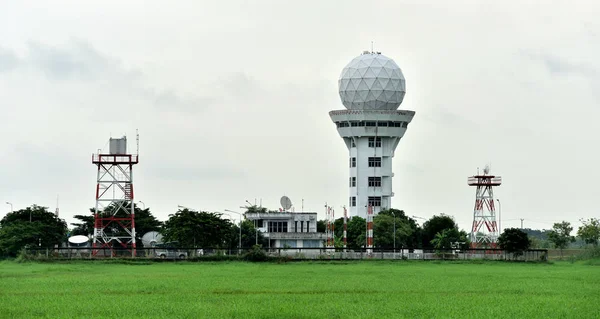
{"points": [[256, 254]]}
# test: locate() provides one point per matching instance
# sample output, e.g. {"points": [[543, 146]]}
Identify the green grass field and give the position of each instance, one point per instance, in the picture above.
{"points": [[375, 289]]}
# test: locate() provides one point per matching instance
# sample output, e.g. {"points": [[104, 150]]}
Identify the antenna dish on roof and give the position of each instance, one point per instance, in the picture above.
{"points": [[286, 202]]}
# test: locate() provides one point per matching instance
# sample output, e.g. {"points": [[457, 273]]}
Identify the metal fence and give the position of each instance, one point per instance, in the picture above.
{"points": [[290, 254]]}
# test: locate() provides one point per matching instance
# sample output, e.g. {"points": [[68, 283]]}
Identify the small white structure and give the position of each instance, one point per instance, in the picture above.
{"points": [[371, 88], [118, 145], [288, 229]]}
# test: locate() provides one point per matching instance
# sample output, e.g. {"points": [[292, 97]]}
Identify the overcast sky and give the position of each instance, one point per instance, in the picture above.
{"points": [[231, 99]]}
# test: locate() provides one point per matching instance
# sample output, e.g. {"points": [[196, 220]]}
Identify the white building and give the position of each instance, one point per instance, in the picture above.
{"points": [[295, 230], [371, 88]]}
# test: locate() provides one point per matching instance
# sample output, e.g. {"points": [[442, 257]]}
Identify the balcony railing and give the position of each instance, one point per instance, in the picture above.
{"points": [[114, 159]]}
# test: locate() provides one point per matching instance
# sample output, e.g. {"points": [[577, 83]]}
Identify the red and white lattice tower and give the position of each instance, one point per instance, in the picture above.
{"points": [[330, 227], [327, 226], [332, 223], [114, 217], [345, 228], [484, 233], [370, 230]]}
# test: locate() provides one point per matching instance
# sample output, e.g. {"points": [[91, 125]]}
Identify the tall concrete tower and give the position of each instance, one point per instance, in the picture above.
{"points": [[371, 88]]}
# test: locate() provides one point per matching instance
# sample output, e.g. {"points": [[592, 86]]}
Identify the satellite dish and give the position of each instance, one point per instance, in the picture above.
{"points": [[286, 203], [78, 241], [151, 239]]}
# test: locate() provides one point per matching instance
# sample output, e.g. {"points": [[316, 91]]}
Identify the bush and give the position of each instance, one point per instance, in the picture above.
{"points": [[589, 253], [23, 256], [256, 254]]}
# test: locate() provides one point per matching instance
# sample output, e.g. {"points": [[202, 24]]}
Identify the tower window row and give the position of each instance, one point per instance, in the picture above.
{"points": [[373, 142], [371, 124], [372, 161], [374, 181], [374, 201]]}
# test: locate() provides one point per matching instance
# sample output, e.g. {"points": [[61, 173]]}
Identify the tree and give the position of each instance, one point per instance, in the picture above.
{"points": [[191, 228], [257, 209], [322, 226], [33, 226], [250, 235], [590, 231], [560, 235], [85, 227], [433, 226], [447, 238], [407, 231], [514, 241], [356, 231]]}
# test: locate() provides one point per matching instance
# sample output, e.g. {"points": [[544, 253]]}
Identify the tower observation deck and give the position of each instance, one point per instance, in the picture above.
{"points": [[371, 88]]}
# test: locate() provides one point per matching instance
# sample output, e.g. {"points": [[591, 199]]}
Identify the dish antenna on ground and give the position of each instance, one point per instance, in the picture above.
{"points": [[150, 239], [286, 203], [78, 241]]}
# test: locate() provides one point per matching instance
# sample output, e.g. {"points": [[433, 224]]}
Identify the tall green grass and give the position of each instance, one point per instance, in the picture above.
{"points": [[299, 290]]}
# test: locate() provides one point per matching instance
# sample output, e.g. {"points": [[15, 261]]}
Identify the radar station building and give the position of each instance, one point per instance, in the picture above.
{"points": [[371, 88], [288, 229]]}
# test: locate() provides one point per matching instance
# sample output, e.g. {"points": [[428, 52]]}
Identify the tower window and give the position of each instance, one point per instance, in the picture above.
{"points": [[353, 162], [374, 141], [382, 124], [374, 161], [352, 181], [353, 201], [375, 201], [374, 181], [370, 123]]}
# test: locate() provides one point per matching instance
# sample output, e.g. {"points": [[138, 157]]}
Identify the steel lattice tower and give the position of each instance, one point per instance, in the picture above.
{"points": [[370, 230], [114, 215], [484, 213]]}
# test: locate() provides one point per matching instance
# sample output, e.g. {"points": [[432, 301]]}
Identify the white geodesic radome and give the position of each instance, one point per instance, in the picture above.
{"points": [[372, 81]]}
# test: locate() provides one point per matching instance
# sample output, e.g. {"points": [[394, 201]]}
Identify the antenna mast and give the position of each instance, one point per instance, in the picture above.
{"points": [[57, 205], [484, 232]]}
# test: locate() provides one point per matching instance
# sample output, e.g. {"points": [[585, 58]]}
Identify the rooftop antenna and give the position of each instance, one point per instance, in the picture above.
{"points": [[57, 205], [371, 46], [486, 170], [286, 203]]}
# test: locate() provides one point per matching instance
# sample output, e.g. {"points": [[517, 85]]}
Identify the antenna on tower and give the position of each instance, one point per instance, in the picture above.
{"points": [[486, 170], [137, 140], [56, 206]]}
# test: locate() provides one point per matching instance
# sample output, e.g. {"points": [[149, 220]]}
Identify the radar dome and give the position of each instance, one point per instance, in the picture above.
{"points": [[372, 81]]}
